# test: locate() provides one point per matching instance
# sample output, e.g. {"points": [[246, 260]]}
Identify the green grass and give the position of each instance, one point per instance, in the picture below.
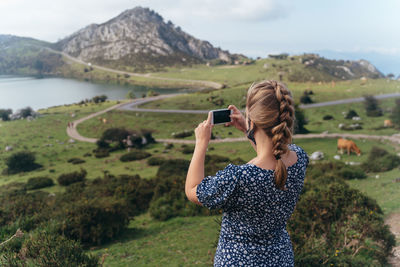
{"points": [[163, 124], [236, 95], [371, 125], [182, 241]]}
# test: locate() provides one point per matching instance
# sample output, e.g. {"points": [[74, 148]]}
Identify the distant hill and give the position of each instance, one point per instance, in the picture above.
{"points": [[315, 68], [26, 56], [140, 38]]}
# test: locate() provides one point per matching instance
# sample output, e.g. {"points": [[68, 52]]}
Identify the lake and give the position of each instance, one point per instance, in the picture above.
{"points": [[18, 92]]}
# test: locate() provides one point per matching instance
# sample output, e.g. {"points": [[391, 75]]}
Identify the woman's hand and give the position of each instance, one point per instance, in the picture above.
{"points": [[203, 131], [238, 119]]}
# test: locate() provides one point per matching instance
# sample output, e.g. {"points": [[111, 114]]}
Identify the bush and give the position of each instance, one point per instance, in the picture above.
{"points": [[342, 226], [51, 249], [371, 106], [352, 173], [155, 161], [305, 98], [187, 149], [95, 221], [327, 117], [113, 135], [379, 160], [72, 177], [299, 121], [395, 116], [5, 114], [101, 153], [173, 167], [134, 155], [23, 161], [39, 182], [182, 134], [99, 99], [76, 161], [352, 113]]}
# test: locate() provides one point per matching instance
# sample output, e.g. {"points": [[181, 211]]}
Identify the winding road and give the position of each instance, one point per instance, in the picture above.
{"points": [[133, 106]]}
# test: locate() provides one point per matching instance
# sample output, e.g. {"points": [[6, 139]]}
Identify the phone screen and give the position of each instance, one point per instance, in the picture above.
{"points": [[221, 116]]}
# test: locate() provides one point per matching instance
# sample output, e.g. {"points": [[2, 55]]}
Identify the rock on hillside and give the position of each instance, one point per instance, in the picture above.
{"points": [[342, 69], [139, 36]]}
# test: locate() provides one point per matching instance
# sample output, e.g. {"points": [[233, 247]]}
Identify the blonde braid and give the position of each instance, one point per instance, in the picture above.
{"points": [[282, 132]]}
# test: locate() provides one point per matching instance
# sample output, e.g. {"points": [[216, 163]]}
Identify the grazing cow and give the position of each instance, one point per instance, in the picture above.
{"points": [[387, 123], [349, 145]]}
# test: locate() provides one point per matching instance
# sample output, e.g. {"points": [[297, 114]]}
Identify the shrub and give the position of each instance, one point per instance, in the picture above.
{"points": [[173, 167], [299, 121], [76, 161], [51, 249], [155, 161], [72, 177], [99, 98], [39, 182], [101, 153], [371, 106], [343, 227], [113, 135], [187, 149], [395, 116], [352, 113], [352, 173], [134, 155], [327, 117], [379, 160], [23, 161], [5, 114], [305, 98], [183, 134], [95, 221]]}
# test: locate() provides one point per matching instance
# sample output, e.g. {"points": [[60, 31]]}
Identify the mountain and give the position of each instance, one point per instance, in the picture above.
{"points": [[384, 62], [338, 69], [139, 38]]}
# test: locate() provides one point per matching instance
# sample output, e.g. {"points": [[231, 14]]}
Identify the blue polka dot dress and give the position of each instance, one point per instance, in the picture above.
{"points": [[253, 229]]}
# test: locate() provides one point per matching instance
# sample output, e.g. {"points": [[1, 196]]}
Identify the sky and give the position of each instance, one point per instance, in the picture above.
{"points": [[348, 29]]}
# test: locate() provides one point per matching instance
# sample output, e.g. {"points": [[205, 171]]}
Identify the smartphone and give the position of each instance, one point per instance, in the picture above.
{"points": [[221, 116]]}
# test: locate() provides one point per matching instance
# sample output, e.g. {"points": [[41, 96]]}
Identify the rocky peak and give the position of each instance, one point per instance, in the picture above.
{"points": [[138, 34]]}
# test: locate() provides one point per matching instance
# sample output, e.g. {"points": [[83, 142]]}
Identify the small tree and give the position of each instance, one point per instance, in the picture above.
{"points": [[22, 161], [300, 121], [305, 98], [372, 106], [26, 112], [131, 95], [396, 113], [5, 114]]}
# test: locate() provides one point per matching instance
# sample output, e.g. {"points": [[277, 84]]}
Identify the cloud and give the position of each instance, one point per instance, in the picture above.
{"points": [[237, 10], [51, 20]]}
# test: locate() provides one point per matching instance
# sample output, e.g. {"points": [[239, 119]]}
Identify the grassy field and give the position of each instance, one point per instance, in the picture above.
{"points": [[184, 241], [236, 95], [151, 243], [164, 124]]}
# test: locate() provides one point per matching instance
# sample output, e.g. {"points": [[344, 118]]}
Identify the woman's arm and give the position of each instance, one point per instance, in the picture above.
{"points": [[196, 168]]}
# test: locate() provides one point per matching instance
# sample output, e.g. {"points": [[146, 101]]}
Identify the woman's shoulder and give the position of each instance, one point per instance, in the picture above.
{"points": [[300, 152]]}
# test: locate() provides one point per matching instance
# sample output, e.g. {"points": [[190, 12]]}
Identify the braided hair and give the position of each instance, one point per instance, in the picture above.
{"points": [[271, 108]]}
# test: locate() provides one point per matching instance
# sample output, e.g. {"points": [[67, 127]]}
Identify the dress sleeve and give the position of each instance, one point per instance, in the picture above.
{"points": [[215, 191]]}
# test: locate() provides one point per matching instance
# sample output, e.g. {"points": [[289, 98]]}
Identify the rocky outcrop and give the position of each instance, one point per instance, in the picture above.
{"points": [[138, 34]]}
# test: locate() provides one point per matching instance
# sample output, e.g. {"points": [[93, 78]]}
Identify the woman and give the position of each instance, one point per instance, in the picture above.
{"points": [[257, 198]]}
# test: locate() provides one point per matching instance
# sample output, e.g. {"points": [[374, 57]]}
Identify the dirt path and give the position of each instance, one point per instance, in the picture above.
{"points": [[201, 83], [394, 222]]}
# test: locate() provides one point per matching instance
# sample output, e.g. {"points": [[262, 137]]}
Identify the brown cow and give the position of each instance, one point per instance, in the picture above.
{"points": [[349, 145], [387, 123]]}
